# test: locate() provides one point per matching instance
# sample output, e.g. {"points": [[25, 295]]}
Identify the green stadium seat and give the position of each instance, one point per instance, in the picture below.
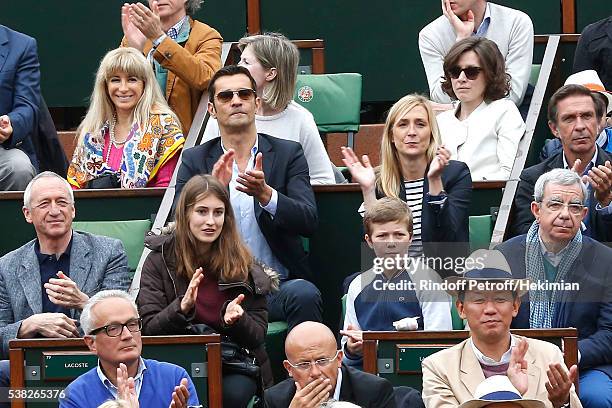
{"points": [[275, 346], [481, 229], [333, 99], [131, 233], [535, 73]]}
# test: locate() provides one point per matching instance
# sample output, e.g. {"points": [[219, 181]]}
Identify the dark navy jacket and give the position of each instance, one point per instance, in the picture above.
{"points": [[589, 309], [19, 89], [286, 171]]}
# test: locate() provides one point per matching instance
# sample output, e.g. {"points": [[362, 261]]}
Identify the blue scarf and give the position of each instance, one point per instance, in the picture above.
{"points": [[541, 306]]}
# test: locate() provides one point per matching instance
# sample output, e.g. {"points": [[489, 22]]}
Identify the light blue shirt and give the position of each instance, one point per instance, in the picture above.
{"points": [[481, 31], [244, 211], [111, 387]]}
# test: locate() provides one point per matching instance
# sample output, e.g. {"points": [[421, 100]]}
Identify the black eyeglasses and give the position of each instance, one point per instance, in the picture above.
{"points": [[115, 329], [471, 73], [244, 93]]}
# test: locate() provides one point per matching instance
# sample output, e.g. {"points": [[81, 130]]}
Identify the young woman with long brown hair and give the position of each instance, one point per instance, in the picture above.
{"points": [[201, 273]]}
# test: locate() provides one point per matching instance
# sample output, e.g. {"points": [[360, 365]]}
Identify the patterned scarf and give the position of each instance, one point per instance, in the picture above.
{"points": [[143, 154], [541, 306]]}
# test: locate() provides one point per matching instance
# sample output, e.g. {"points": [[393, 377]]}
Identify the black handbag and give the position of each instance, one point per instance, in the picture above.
{"points": [[238, 360], [109, 180], [234, 358]]}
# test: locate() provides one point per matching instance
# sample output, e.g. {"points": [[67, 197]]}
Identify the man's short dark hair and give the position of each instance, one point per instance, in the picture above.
{"points": [[229, 70], [601, 105], [565, 92]]}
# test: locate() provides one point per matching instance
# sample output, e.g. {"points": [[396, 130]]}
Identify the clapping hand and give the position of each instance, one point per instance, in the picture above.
{"points": [[517, 369], [463, 29], [191, 294], [233, 311], [362, 173], [180, 396], [126, 389], [146, 20], [253, 182], [354, 343], [223, 168], [600, 178], [135, 38], [437, 165], [559, 383], [6, 129], [63, 291]]}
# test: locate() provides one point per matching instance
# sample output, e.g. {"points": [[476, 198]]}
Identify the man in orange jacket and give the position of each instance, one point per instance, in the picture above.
{"points": [[185, 53]]}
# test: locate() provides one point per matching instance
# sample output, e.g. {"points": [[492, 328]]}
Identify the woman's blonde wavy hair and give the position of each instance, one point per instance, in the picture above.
{"points": [[101, 108], [390, 171]]}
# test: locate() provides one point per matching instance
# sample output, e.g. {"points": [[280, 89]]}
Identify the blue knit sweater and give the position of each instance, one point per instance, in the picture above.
{"points": [[159, 380]]}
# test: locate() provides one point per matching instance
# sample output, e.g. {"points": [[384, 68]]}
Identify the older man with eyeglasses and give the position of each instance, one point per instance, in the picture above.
{"points": [[555, 253], [317, 374], [112, 327]]}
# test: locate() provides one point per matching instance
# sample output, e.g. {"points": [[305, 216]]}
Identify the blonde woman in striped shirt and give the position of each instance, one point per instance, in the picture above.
{"points": [[416, 168]]}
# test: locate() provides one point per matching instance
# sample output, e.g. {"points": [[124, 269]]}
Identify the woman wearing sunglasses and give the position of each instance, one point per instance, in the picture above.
{"points": [[130, 137], [272, 60], [485, 128], [416, 168], [201, 277]]}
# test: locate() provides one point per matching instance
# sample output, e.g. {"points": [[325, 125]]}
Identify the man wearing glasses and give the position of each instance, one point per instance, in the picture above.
{"points": [[317, 374], [112, 331], [554, 250], [269, 187], [572, 118]]}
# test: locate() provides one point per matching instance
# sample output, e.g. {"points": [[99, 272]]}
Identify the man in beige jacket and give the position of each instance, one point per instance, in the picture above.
{"points": [[488, 297]]}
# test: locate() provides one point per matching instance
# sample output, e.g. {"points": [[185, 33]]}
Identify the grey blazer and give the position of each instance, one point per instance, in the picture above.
{"points": [[96, 263]]}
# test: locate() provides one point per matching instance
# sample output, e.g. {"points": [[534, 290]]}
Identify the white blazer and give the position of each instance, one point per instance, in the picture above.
{"points": [[487, 140]]}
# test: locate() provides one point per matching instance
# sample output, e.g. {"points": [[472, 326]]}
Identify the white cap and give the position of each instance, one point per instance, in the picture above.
{"points": [[589, 79], [498, 388]]}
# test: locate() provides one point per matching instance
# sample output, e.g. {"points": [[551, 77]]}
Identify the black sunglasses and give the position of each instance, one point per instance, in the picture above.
{"points": [[471, 73], [244, 93]]}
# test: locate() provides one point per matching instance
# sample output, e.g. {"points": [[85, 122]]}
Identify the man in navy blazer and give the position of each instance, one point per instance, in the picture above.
{"points": [[554, 250], [269, 188], [19, 102], [573, 119]]}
